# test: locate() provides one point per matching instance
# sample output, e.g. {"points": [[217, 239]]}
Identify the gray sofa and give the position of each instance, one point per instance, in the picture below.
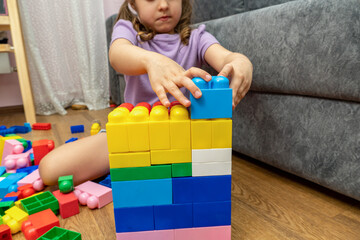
{"points": [[302, 114]]}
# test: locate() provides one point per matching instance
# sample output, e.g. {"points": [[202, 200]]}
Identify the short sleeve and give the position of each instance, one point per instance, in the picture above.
{"points": [[204, 40], [124, 29]]}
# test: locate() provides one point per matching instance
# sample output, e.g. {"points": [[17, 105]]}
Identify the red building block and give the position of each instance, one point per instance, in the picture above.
{"points": [[26, 191], [5, 233], [41, 148], [41, 126], [39, 223], [68, 203]]}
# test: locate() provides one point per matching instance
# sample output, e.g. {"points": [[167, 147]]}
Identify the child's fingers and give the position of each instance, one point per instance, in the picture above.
{"points": [[197, 72], [226, 70], [160, 92], [191, 86], [176, 93]]}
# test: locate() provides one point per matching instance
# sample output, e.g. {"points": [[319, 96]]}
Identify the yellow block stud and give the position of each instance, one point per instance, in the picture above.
{"points": [[221, 133], [14, 217], [201, 134], [138, 129], [116, 130], [180, 127], [170, 156], [159, 128], [124, 160]]}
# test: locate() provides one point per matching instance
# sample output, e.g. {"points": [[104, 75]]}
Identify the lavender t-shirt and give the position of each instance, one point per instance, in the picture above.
{"points": [[138, 88]]}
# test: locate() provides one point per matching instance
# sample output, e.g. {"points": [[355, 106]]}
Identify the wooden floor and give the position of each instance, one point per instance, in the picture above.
{"points": [[266, 202]]}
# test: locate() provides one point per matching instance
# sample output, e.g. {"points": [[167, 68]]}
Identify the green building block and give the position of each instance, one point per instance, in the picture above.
{"points": [[140, 173], [66, 184], [1, 221], [57, 233], [40, 202], [5, 206], [23, 142], [6, 174], [181, 170]]}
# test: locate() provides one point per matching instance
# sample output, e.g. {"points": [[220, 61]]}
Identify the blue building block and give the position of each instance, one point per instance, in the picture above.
{"points": [[10, 183], [142, 193], [2, 170], [27, 170], [106, 182], [212, 214], [173, 216], [71, 140], [216, 99], [29, 146], [9, 199], [134, 219], [202, 189], [77, 129]]}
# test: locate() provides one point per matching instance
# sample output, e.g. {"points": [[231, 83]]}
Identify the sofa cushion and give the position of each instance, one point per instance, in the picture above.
{"points": [[300, 47], [257, 4]]}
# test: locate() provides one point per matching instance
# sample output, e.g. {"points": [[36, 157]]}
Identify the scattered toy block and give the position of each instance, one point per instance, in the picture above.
{"points": [[66, 184], [106, 181], [38, 224], [13, 162], [68, 203], [14, 217], [29, 169], [33, 179], [5, 232], [60, 233], [5, 205], [93, 194], [77, 129], [41, 126], [9, 184], [26, 191], [95, 128], [71, 140], [11, 146], [40, 202], [41, 148]]}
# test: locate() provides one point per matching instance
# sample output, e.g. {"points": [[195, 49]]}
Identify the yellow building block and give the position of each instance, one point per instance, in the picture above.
{"points": [[180, 128], [124, 160], [14, 217], [221, 133], [2, 143], [159, 128], [138, 129], [201, 134], [116, 130], [170, 156]]}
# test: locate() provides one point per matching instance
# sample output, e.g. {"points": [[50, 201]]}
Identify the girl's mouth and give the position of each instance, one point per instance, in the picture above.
{"points": [[164, 18]]}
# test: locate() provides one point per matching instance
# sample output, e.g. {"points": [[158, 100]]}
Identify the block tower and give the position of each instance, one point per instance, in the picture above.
{"points": [[171, 173]]}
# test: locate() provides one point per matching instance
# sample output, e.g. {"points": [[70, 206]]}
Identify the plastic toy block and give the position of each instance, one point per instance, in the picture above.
{"points": [[12, 194], [211, 169], [116, 130], [33, 179], [5, 232], [41, 126], [140, 173], [9, 183], [133, 219], [5, 205], [138, 129], [66, 184], [210, 214], [221, 133], [68, 204], [26, 191], [95, 128], [216, 99], [16, 129], [93, 194], [179, 127], [2, 142], [41, 148], [29, 169], [13, 199], [6, 174], [38, 224], [77, 129], [148, 235], [18, 202], [181, 170], [204, 233], [40, 202], [57, 233], [142, 193], [2, 170], [159, 128], [173, 216], [13, 162], [212, 155], [202, 189], [170, 156], [71, 140], [201, 134], [124, 160], [14, 217], [106, 181], [12, 146]]}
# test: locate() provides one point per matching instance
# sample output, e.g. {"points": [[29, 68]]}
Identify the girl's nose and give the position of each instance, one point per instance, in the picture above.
{"points": [[163, 4]]}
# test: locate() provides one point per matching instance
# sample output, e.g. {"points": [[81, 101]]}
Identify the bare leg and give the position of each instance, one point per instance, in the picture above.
{"points": [[85, 159]]}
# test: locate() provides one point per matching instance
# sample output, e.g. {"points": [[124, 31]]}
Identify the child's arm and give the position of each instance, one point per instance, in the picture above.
{"points": [[165, 75], [234, 65]]}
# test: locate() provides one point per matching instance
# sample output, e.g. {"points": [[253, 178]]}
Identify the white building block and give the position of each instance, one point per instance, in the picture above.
{"points": [[211, 169], [211, 155]]}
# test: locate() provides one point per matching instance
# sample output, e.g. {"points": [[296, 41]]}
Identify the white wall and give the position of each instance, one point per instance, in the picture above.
{"points": [[112, 7]]}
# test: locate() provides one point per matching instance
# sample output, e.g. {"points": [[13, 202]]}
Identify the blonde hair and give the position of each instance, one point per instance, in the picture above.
{"points": [[182, 28]]}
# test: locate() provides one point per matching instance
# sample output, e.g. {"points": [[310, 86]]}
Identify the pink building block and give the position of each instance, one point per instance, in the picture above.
{"points": [[15, 161], [148, 235], [34, 179], [204, 233], [93, 194], [11, 147]]}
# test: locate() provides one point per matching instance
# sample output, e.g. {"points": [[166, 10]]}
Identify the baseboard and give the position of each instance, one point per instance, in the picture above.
{"points": [[11, 109]]}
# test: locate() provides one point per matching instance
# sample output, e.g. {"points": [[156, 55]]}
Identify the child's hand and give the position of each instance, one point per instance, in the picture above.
{"points": [[167, 76], [240, 70]]}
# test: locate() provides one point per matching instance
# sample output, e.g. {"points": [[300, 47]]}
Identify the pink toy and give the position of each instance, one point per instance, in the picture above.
{"points": [[148, 235], [93, 194], [15, 161], [204, 233], [11, 147], [34, 179]]}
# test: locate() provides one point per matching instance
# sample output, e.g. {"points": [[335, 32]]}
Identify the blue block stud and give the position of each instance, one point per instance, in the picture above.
{"points": [[216, 99]]}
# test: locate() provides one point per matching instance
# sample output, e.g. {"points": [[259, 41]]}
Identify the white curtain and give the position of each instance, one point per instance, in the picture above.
{"points": [[67, 55]]}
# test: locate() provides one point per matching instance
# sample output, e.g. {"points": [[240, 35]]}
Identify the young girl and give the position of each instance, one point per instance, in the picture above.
{"points": [[154, 46]]}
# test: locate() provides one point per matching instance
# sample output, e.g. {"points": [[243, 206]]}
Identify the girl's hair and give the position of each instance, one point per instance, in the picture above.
{"points": [[182, 28]]}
